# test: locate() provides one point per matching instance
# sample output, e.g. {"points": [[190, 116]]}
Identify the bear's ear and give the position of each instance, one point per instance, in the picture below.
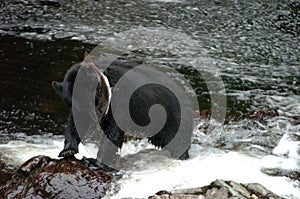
{"points": [[58, 87]]}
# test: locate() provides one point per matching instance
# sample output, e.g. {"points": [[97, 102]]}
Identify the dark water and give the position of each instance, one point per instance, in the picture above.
{"points": [[254, 44], [28, 103]]}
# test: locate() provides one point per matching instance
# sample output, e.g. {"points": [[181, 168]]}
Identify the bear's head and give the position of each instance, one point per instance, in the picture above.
{"points": [[103, 93]]}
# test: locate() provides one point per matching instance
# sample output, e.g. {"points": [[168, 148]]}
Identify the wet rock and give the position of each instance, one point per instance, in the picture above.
{"points": [[43, 177], [229, 188], [4, 177], [260, 191], [216, 193], [193, 191], [292, 174], [220, 189], [4, 174], [176, 196]]}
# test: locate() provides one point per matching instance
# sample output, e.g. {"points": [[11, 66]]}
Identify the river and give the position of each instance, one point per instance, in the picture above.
{"points": [[252, 45]]}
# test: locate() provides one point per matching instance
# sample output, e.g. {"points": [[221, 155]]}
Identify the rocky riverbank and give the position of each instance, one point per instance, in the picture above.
{"points": [[220, 189], [43, 177]]}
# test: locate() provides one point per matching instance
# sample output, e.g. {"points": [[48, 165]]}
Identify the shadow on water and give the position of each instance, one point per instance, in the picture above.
{"points": [[27, 67]]}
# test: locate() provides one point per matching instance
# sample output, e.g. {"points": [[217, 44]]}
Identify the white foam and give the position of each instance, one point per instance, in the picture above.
{"points": [[17, 152], [201, 171], [151, 170], [287, 147]]}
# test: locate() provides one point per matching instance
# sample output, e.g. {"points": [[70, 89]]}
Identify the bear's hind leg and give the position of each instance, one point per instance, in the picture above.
{"points": [[162, 139], [185, 155]]}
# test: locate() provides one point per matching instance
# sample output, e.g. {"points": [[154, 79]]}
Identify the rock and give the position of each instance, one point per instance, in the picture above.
{"points": [[220, 189], [175, 196], [292, 174], [43, 177], [4, 174], [193, 191], [4, 177], [260, 191], [216, 193], [233, 189]]}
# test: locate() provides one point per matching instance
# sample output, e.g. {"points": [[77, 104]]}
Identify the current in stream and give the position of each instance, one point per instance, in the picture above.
{"points": [[253, 45]]}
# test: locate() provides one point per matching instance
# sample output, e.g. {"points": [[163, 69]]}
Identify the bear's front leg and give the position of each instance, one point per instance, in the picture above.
{"points": [[72, 139]]}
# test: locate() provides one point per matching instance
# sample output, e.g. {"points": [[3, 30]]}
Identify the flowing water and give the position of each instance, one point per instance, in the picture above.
{"points": [[254, 45]]}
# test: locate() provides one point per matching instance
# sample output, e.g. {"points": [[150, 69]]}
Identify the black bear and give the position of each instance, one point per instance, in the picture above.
{"points": [[140, 103]]}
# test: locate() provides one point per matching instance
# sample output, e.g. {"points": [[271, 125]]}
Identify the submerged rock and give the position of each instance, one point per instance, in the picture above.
{"points": [[292, 174], [220, 189], [43, 177]]}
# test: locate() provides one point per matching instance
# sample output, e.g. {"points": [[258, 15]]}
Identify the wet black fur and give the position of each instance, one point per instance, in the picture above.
{"points": [[139, 107]]}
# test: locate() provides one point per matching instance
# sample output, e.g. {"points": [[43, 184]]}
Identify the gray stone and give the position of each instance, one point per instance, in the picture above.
{"points": [[261, 191], [194, 191], [220, 189]]}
